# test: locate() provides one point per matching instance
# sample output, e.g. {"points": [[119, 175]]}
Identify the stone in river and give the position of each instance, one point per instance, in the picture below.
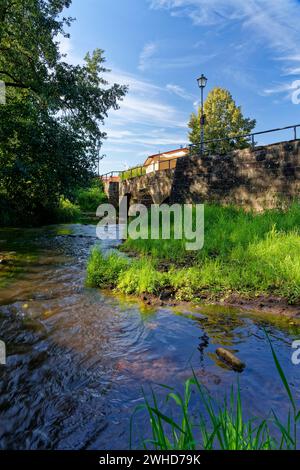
{"points": [[231, 359]]}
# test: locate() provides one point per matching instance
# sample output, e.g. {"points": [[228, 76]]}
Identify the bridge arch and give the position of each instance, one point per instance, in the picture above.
{"points": [[152, 188]]}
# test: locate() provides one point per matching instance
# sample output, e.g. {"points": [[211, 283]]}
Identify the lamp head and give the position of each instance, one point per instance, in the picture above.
{"points": [[202, 81]]}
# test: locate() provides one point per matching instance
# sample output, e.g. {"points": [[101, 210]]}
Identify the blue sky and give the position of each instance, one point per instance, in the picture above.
{"points": [[160, 47]]}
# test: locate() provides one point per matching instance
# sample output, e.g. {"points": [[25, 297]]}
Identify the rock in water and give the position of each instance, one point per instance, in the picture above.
{"points": [[231, 359]]}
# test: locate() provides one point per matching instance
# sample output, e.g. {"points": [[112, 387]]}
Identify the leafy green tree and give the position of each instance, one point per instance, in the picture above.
{"points": [[52, 123], [223, 119]]}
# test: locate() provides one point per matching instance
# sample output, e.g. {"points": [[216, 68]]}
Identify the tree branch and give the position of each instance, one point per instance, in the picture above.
{"points": [[16, 85], [2, 72]]}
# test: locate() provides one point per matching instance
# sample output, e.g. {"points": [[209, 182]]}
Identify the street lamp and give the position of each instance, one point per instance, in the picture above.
{"points": [[202, 81], [99, 158]]}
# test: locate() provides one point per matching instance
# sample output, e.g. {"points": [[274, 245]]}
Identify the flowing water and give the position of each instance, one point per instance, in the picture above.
{"points": [[77, 358]]}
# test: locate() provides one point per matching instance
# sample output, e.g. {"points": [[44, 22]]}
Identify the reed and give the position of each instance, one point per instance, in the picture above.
{"points": [[217, 426]]}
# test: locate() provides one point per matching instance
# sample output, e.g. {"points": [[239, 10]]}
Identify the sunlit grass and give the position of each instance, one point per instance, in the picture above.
{"points": [[244, 253]]}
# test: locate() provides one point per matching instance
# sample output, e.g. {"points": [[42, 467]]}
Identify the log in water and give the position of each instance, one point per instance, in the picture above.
{"points": [[231, 359]]}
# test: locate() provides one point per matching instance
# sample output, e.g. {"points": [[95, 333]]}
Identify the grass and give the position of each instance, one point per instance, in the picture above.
{"points": [[218, 426], [131, 277], [104, 272], [244, 253]]}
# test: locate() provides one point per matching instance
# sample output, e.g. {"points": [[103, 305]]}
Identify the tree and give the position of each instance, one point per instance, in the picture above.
{"points": [[223, 119], [51, 125]]}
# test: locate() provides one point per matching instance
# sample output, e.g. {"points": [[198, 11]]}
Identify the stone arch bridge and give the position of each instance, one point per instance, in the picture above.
{"points": [[256, 178]]}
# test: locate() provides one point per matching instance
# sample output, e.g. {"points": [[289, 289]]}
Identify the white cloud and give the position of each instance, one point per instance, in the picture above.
{"points": [[66, 48], [292, 71], [150, 138], [148, 60], [262, 15], [274, 23], [65, 45], [139, 110], [282, 88], [135, 84], [148, 51], [277, 21], [144, 104], [292, 58], [181, 92], [145, 122]]}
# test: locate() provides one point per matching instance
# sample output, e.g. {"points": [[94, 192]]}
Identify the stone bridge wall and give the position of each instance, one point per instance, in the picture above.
{"points": [[153, 187], [111, 188], [256, 179]]}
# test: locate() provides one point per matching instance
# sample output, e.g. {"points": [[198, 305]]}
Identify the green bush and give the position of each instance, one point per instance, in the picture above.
{"points": [[89, 199], [66, 211], [133, 172], [7, 215]]}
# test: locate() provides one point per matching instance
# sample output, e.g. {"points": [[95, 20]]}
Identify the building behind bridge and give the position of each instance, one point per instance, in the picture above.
{"points": [[164, 161]]}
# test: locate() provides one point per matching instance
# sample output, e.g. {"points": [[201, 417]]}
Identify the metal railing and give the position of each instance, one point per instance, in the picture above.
{"points": [[110, 175], [162, 165], [140, 170], [248, 138]]}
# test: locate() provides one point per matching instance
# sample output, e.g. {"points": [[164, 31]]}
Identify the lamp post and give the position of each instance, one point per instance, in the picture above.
{"points": [[202, 84], [99, 157]]}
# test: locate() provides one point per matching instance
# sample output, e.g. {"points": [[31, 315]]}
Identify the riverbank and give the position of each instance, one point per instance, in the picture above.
{"points": [[248, 260], [81, 207]]}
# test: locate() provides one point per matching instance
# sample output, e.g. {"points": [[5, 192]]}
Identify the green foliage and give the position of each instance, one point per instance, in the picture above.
{"points": [[104, 271], [66, 212], [220, 426], [90, 199], [223, 119], [51, 125], [131, 173]]}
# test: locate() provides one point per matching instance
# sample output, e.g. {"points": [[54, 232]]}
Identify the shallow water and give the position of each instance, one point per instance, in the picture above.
{"points": [[77, 358]]}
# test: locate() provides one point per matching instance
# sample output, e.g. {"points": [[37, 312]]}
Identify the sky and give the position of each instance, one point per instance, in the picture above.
{"points": [[159, 48]]}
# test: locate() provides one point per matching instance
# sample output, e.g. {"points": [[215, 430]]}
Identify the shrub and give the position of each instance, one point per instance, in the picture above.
{"points": [[90, 199], [66, 211], [133, 172]]}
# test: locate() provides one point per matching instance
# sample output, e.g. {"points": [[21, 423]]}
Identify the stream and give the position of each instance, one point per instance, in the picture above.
{"points": [[77, 358]]}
